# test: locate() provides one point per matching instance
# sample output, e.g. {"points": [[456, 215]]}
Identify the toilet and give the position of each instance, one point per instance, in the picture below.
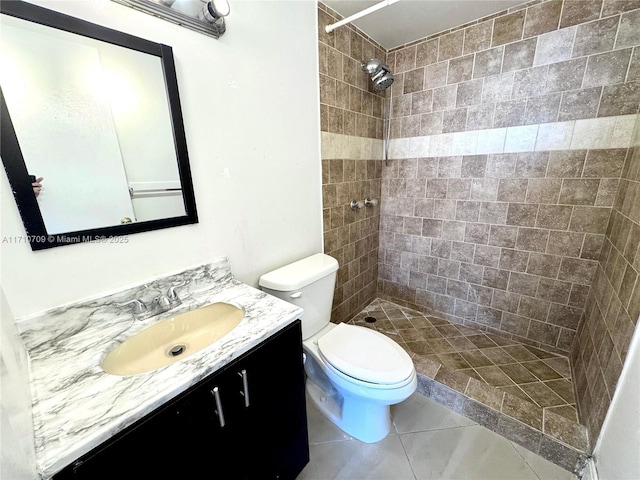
{"points": [[354, 374]]}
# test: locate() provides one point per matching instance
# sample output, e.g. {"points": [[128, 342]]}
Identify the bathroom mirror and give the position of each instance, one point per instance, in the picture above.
{"points": [[96, 113]]}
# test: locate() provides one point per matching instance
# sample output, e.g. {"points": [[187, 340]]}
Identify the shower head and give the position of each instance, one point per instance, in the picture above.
{"points": [[380, 74]]}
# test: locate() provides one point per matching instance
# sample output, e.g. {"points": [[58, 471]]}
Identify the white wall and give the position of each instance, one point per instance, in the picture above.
{"points": [[251, 112], [17, 458], [617, 452]]}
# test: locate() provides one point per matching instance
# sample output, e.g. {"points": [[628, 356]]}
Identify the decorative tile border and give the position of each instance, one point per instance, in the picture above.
{"points": [[595, 133], [347, 147]]}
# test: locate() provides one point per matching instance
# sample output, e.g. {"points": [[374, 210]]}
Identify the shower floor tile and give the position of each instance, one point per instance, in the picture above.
{"points": [[501, 362], [523, 382]]}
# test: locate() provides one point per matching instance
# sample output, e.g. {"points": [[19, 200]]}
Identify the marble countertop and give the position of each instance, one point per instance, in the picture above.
{"points": [[77, 406]]}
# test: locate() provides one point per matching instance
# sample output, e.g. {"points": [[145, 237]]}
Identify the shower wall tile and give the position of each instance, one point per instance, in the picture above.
{"points": [[613, 304], [519, 233], [547, 62], [348, 104], [512, 201], [351, 131]]}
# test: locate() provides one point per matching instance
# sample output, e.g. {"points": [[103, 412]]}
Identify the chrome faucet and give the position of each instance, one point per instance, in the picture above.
{"points": [[140, 310], [159, 304]]}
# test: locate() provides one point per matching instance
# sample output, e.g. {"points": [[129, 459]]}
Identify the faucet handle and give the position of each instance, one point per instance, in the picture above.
{"points": [[139, 307], [172, 295], [162, 302]]}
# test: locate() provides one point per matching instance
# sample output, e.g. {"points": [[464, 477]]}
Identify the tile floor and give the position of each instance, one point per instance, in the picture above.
{"points": [[537, 376], [518, 391], [427, 441]]}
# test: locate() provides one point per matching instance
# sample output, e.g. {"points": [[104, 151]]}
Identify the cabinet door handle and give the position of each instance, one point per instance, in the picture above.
{"points": [[216, 394], [245, 387]]}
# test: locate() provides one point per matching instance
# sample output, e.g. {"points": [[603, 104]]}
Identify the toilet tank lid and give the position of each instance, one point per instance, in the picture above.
{"points": [[299, 274]]}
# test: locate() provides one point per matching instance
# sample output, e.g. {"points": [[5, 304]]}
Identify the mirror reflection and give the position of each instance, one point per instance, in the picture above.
{"points": [[95, 129]]}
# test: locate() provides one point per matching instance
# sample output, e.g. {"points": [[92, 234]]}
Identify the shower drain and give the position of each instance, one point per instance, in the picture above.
{"points": [[176, 350], [370, 319]]}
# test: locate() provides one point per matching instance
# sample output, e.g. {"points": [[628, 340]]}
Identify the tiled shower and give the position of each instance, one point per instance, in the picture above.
{"points": [[510, 202]]}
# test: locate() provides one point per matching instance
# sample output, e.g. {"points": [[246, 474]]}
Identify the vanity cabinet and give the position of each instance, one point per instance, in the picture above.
{"points": [[245, 421]]}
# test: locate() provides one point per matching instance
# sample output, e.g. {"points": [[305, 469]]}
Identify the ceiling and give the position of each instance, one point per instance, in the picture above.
{"points": [[409, 20]]}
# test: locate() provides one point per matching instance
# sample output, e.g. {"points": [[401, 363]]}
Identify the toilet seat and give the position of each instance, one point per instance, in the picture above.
{"points": [[365, 355]]}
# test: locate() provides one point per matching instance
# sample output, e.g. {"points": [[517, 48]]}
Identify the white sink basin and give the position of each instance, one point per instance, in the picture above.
{"points": [[172, 339]]}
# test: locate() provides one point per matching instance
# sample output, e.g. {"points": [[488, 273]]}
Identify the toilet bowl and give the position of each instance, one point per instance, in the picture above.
{"points": [[354, 374]]}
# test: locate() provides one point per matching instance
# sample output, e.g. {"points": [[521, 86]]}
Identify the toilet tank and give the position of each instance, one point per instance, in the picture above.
{"points": [[309, 284]]}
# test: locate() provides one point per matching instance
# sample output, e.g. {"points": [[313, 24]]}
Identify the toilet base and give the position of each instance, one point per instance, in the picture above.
{"points": [[368, 422]]}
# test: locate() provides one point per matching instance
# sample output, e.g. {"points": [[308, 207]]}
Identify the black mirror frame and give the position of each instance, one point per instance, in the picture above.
{"points": [[13, 160]]}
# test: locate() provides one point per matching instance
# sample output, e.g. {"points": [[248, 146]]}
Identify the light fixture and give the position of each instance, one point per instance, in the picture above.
{"points": [[204, 16], [214, 12]]}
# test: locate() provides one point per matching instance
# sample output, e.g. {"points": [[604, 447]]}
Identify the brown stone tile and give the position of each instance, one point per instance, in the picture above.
{"points": [[519, 55], [580, 11], [470, 372], [477, 37], [447, 396], [579, 104], [628, 35], [567, 411], [542, 109], [519, 353], [450, 45], [596, 37], [533, 239], [429, 333], [453, 361], [427, 365], [516, 391], [542, 371], [611, 7], [494, 376], [481, 341], [475, 358], [509, 113], [543, 17], [543, 265], [512, 189], [607, 68], [461, 344], [448, 330], [634, 67], [411, 335], [542, 395], [481, 414], [619, 99], [563, 388], [455, 380], [563, 76], [554, 216], [460, 69], [568, 432], [522, 410], [497, 355], [523, 215], [517, 373], [426, 52], [485, 394], [488, 62], [440, 345], [563, 456], [590, 219], [508, 28], [560, 365], [526, 83], [566, 163], [565, 243], [579, 191], [520, 433]]}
